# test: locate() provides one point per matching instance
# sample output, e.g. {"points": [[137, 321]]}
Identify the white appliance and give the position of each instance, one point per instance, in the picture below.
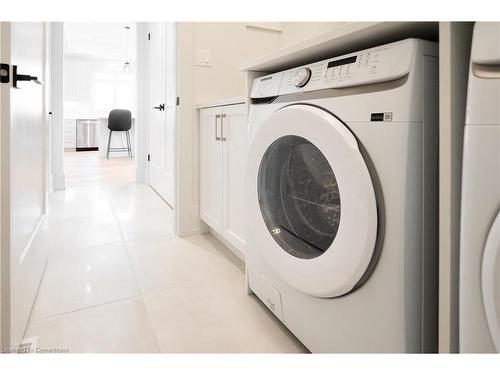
{"points": [[342, 199], [479, 301]]}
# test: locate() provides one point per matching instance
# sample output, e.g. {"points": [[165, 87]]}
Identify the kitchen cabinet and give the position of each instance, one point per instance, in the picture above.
{"points": [[223, 145]]}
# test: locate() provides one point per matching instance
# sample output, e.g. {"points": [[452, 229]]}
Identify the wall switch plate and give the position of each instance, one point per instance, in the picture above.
{"points": [[203, 57]]}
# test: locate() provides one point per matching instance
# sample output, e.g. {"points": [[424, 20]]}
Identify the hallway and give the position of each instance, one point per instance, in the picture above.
{"points": [[119, 280]]}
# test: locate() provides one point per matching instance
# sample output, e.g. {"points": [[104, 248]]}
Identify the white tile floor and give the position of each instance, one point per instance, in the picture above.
{"points": [[119, 280]]}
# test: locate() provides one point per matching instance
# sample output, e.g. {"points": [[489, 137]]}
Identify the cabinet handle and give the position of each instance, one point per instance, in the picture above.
{"points": [[216, 138], [222, 117]]}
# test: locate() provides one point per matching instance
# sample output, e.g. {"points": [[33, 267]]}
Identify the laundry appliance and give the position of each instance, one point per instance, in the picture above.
{"points": [[479, 296], [342, 199]]}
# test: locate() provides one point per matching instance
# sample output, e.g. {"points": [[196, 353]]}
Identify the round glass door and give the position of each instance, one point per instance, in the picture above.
{"points": [[299, 197], [311, 201], [491, 281]]}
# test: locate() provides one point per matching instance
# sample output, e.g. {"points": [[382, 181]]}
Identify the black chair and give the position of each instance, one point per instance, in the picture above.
{"points": [[119, 120]]}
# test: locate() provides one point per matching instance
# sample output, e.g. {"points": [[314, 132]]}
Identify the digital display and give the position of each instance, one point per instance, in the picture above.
{"points": [[266, 78], [347, 60]]}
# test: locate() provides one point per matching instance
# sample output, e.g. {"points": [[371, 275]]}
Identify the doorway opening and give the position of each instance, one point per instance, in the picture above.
{"points": [[100, 75]]}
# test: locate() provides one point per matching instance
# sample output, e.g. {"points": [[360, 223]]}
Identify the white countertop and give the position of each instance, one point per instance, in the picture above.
{"points": [[344, 39], [221, 102]]}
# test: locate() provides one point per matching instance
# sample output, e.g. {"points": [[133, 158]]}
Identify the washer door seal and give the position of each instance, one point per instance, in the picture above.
{"points": [[311, 201]]}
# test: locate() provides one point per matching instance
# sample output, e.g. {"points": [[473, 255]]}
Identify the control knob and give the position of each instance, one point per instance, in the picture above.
{"points": [[303, 77]]}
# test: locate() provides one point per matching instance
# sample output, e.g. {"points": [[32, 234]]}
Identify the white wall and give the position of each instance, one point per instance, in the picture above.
{"points": [[142, 102], [294, 32], [93, 87], [230, 43]]}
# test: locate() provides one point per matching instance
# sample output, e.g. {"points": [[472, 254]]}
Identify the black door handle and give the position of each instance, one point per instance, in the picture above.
{"points": [[161, 107], [23, 77]]}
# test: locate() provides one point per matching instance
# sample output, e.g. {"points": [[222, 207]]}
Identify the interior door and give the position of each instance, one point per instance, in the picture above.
{"points": [[23, 175], [162, 82]]}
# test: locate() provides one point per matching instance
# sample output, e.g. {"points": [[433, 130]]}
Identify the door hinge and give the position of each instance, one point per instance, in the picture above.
{"points": [[149, 157], [178, 101], [4, 73], [149, 36]]}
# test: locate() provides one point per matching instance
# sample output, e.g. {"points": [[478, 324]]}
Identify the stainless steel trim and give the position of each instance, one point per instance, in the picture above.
{"points": [[222, 117], [216, 138], [86, 134]]}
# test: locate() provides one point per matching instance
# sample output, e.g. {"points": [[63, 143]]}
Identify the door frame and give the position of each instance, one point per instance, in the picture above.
{"points": [[56, 73], [56, 105], [142, 115], [3, 120]]}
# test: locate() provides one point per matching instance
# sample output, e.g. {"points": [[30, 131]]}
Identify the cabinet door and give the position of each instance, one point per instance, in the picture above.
{"points": [[211, 168], [234, 141]]}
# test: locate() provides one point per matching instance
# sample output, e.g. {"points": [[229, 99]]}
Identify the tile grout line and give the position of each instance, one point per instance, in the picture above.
{"points": [[136, 279], [142, 299], [34, 302], [76, 251]]}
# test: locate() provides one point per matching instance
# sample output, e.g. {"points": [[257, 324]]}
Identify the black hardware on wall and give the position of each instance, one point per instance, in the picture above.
{"points": [[4, 73], [22, 77], [178, 101], [149, 157]]}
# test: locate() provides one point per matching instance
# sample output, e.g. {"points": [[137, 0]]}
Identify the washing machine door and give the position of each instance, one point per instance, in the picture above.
{"points": [[491, 281], [311, 201]]}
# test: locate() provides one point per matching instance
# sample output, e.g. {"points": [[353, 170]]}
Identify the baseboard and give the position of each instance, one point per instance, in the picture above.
{"points": [[140, 175], [197, 231], [32, 237], [58, 181], [235, 251]]}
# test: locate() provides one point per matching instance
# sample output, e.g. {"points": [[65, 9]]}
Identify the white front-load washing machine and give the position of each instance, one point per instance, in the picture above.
{"points": [[342, 199], [479, 301]]}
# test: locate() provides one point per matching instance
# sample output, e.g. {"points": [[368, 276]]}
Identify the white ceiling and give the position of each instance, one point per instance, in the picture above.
{"points": [[100, 39]]}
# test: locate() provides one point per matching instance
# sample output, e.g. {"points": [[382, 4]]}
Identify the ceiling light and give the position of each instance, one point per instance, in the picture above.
{"points": [[127, 67]]}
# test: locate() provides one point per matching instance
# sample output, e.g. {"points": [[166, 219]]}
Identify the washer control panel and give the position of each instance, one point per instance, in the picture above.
{"points": [[373, 65]]}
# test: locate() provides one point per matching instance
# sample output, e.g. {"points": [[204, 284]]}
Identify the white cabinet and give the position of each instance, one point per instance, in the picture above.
{"points": [[223, 146]]}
